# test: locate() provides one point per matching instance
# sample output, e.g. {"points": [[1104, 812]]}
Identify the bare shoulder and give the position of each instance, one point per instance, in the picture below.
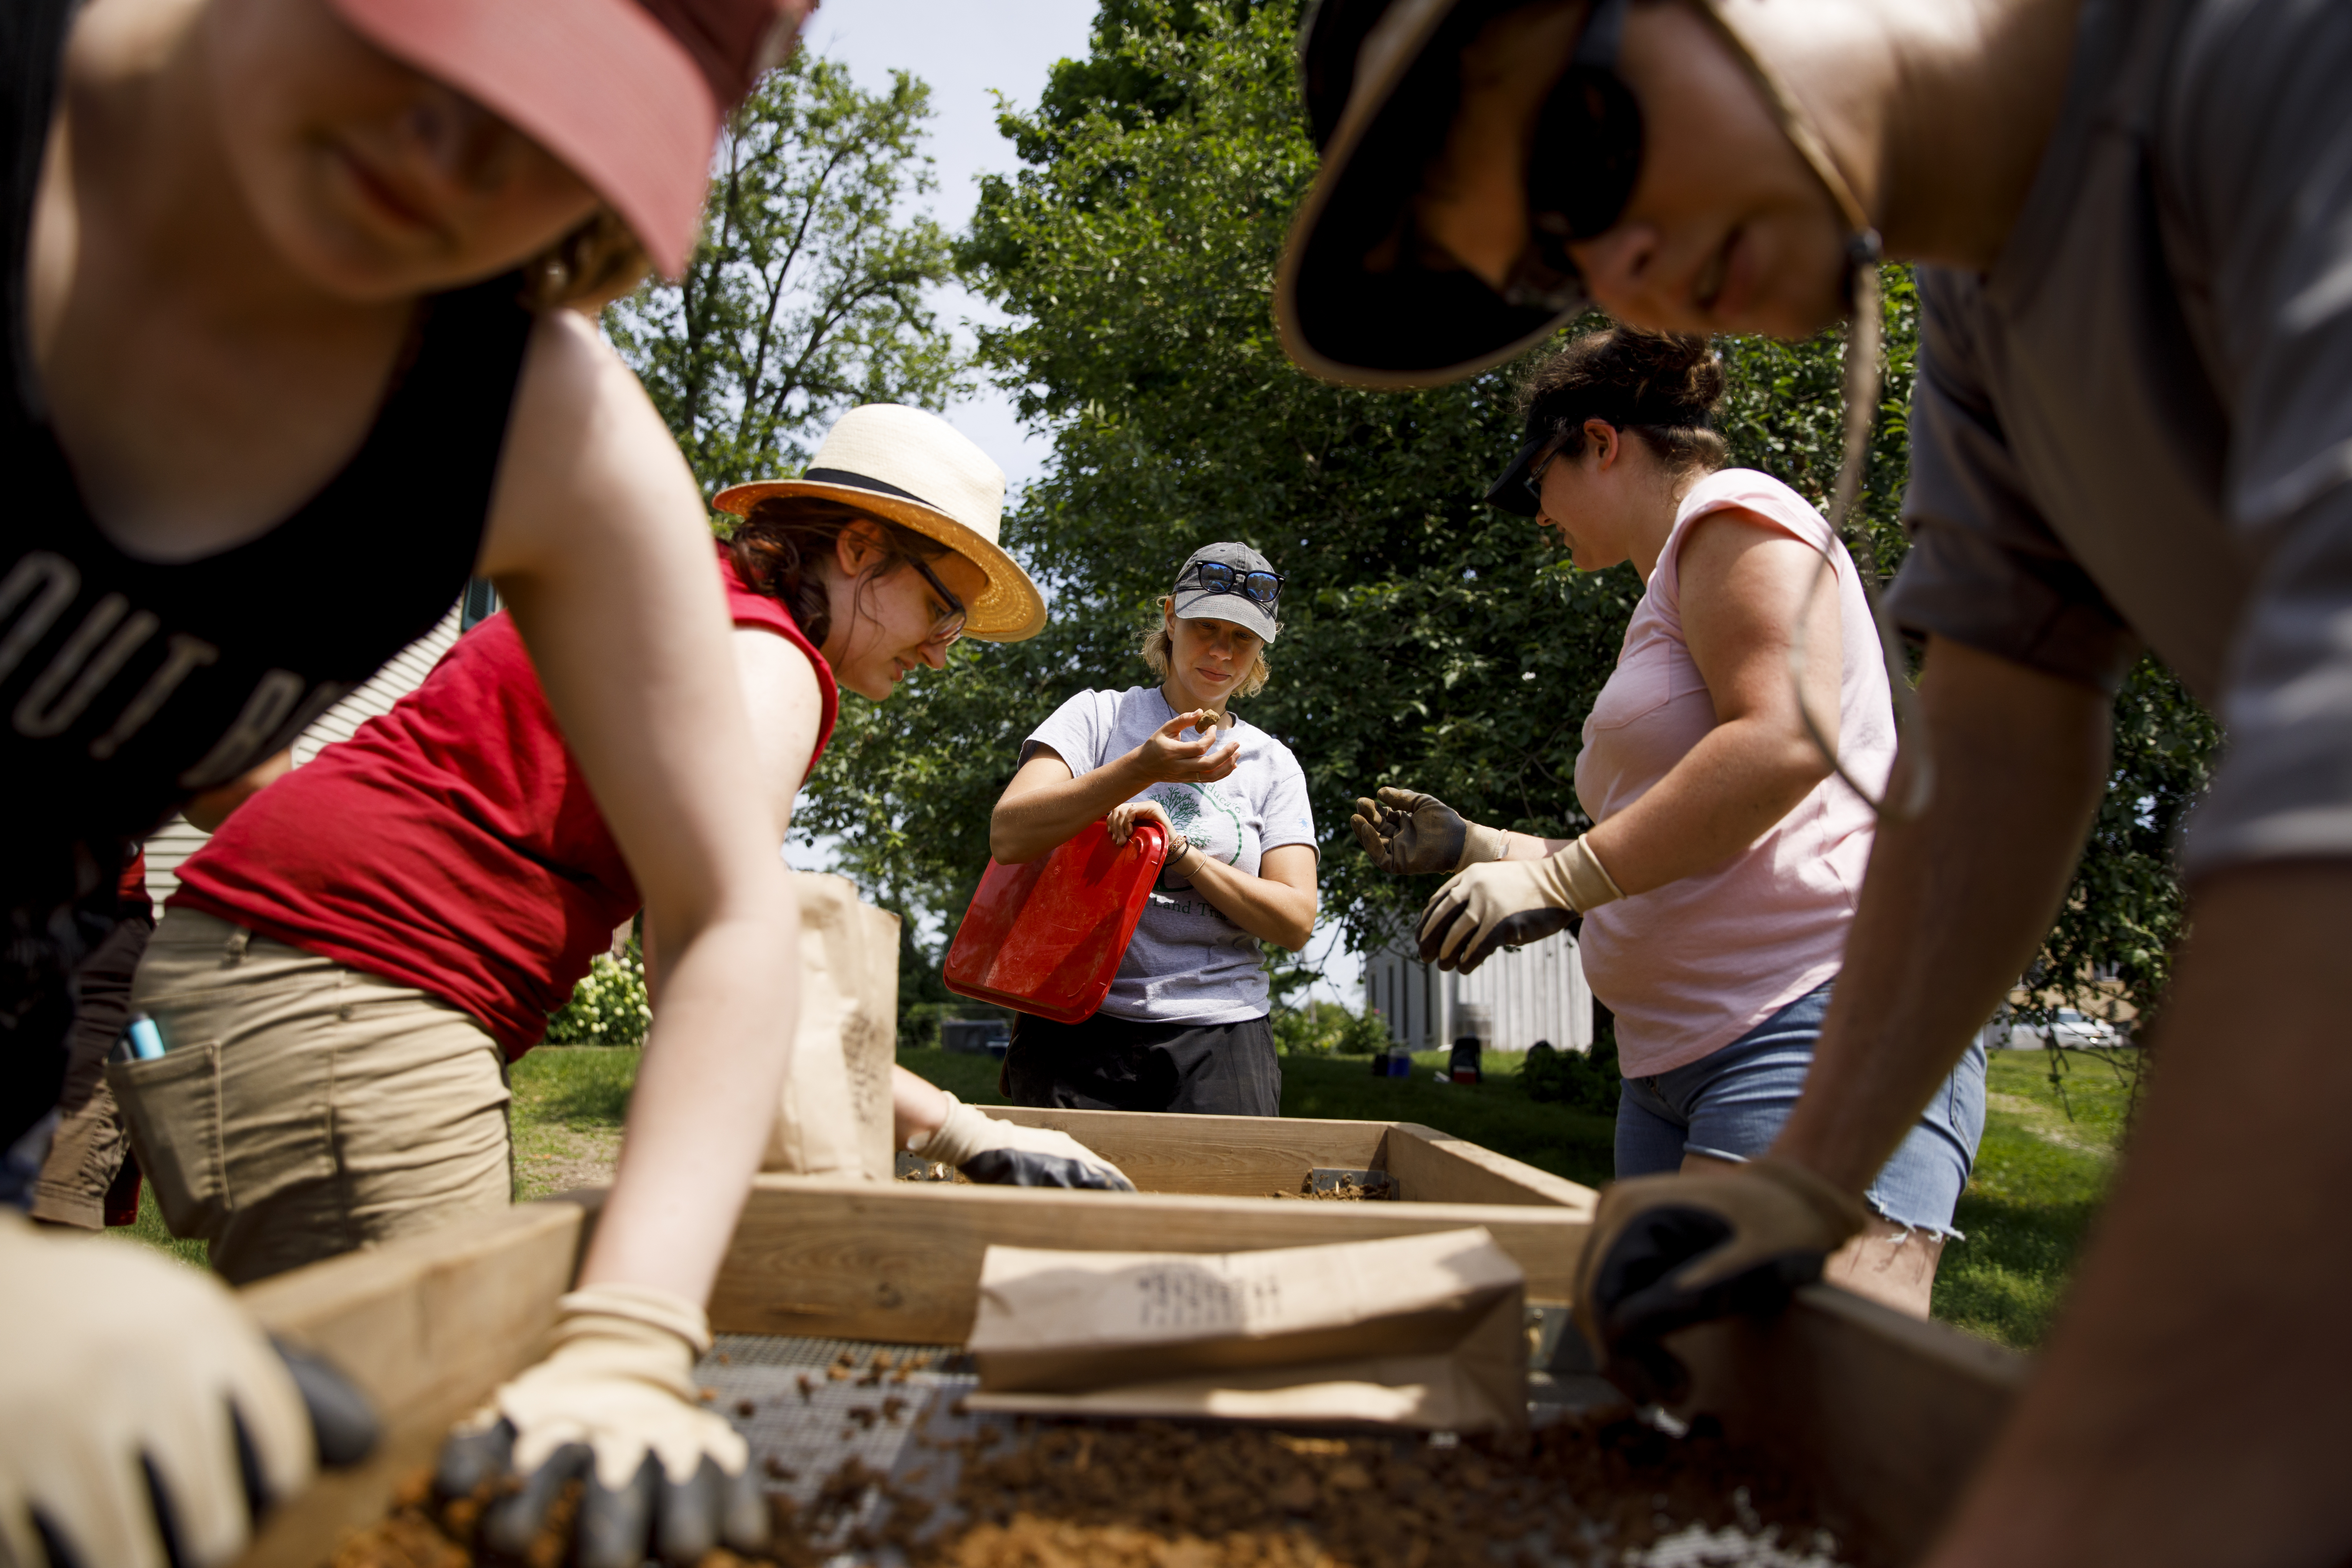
{"points": [[569, 370], [1738, 540], [586, 453], [775, 667]]}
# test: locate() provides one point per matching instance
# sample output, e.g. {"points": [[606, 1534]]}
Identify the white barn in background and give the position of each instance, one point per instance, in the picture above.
{"points": [[1535, 993]]}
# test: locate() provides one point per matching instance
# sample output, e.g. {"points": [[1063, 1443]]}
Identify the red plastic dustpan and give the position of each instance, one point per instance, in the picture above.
{"points": [[1047, 937]]}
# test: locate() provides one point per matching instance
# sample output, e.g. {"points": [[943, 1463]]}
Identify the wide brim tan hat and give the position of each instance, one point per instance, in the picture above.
{"points": [[1360, 299], [1398, 321], [912, 468]]}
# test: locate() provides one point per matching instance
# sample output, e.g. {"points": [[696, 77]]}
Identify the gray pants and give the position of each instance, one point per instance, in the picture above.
{"points": [[1123, 1064], [305, 1109]]}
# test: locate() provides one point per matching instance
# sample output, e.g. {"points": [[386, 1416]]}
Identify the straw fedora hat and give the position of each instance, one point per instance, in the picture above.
{"points": [[913, 468]]}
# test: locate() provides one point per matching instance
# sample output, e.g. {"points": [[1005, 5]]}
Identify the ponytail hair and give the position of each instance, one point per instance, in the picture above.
{"points": [[1659, 386]]}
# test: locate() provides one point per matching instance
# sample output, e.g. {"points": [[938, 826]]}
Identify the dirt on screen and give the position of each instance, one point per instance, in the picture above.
{"points": [[1155, 1494]]}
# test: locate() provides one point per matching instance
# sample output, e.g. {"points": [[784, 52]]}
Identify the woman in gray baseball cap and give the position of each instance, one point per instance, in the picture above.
{"points": [[1184, 1027]]}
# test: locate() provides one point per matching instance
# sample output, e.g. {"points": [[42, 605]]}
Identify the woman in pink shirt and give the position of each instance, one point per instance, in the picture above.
{"points": [[1722, 869]]}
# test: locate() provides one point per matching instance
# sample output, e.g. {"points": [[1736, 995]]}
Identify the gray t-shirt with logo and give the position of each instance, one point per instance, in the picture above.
{"points": [[2137, 428], [1187, 963]]}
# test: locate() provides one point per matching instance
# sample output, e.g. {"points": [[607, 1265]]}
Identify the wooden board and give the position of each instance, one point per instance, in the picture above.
{"points": [[820, 1256], [1223, 1156], [1446, 1169], [1884, 1415], [1252, 1156], [428, 1327]]}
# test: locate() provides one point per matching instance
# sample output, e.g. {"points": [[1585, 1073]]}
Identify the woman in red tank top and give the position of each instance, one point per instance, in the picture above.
{"points": [[366, 942]]}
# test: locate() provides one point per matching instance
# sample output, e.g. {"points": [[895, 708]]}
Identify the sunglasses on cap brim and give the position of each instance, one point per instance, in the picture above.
{"points": [[1260, 588]]}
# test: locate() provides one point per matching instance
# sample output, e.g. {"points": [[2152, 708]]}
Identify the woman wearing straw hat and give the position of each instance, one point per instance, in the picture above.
{"points": [[367, 941], [299, 335], [1184, 1027]]}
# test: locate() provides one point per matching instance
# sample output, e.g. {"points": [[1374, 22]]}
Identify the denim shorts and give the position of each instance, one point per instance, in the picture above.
{"points": [[1732, 1103]]}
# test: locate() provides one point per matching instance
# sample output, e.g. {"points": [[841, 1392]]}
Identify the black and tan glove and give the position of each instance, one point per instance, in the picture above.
{"points": [[613, 1405], [1005, 1153], [1509, 903], [1669, 1251], [1413, 834], [144, 1418]]}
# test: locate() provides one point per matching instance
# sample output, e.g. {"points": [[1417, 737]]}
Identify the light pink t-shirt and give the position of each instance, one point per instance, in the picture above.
{"points": [[1690, 968]]}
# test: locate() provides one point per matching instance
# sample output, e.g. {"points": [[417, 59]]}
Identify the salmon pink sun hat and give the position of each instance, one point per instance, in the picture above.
{"points": [[628, 92]]}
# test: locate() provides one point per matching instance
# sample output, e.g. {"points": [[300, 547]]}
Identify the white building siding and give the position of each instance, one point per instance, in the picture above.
{"points": [[1537, 993], [403, 673]]}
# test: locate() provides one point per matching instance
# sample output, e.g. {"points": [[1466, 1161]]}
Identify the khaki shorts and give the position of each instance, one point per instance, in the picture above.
{"points": [[305, 1109], [84, 1164]]}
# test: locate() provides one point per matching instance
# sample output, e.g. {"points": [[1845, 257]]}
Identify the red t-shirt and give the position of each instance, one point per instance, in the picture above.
{"points": [[452, 844]]}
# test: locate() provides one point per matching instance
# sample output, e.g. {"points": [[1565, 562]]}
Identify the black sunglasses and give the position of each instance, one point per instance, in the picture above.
{"points": [[1533, 478], [949, 625], [1583, 166], [1260, 588]]}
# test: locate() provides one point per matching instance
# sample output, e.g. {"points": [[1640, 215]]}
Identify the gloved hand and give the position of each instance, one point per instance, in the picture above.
{"points": [[1411, 832], [1005, 1153], [147, 1418], [614, 1405], [1509, 903], [1669, 1251]]}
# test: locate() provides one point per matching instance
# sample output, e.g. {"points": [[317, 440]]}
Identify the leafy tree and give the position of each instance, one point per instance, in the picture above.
{"points": [[1427, 639], [1326, 1028], [806, 294]]}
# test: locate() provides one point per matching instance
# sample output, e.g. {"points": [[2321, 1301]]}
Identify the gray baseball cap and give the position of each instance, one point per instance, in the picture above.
{"points": [[1240, 585]]}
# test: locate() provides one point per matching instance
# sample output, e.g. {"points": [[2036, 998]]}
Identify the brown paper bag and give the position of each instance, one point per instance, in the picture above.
{"points": [[1423, 1330], [835, 1115]]}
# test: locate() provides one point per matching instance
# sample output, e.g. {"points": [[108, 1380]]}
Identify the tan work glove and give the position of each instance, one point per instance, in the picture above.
{"points": [[1509, 903], [1007, 1153], [613, 1405], [120, 1369], [1412, 834], [1669, 1251]]}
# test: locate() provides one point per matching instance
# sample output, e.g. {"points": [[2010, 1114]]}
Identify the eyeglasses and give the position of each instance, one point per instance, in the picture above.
{"points": [[1260, 588], [949, 625], [1581, 168], [1533, 478]]}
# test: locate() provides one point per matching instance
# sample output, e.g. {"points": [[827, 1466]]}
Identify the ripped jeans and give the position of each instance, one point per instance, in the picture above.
{"points": [[1732, 1103]]}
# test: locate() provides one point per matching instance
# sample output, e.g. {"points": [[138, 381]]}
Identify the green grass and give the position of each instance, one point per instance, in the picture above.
{"points": [[152, 1230], [1495, 1114], [569, 1102], [2039, 1178]]}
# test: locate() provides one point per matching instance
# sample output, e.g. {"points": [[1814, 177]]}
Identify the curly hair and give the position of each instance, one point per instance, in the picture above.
{"points": [[1159, 651], [1659, 386], [777, 547]]}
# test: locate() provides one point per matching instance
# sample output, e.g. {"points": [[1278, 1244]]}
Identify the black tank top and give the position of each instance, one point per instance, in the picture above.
{"points": [[127, 686]]}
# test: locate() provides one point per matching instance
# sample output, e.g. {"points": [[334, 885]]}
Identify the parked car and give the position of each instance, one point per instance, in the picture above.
{"points": [[2071, 1029]]}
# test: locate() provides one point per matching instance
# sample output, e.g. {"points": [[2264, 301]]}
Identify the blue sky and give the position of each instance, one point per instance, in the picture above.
{"points": [[966, 51]]}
